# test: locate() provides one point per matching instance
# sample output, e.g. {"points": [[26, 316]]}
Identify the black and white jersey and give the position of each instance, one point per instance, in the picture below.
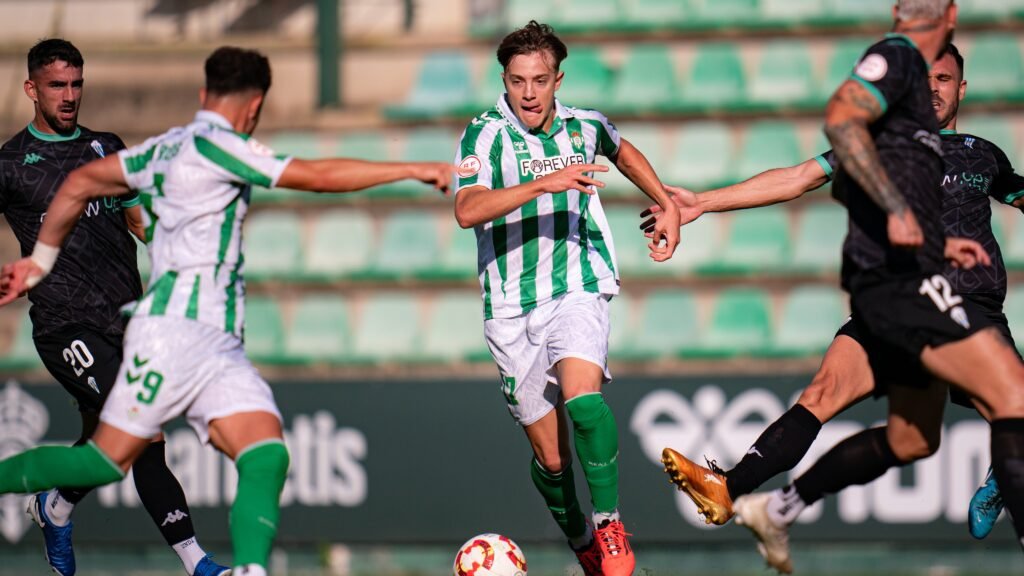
{"points": [[96, 272]]}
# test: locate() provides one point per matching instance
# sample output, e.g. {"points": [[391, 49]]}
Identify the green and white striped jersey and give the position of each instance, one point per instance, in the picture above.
{"points": [[552, 245], [195, 183]]}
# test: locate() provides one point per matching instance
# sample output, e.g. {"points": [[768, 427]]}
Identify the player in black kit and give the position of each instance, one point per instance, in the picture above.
{"points": [[77, 323], [975, 171]]}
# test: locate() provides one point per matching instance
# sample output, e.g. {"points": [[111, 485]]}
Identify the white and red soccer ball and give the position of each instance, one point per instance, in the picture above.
{"points": [[490, 555]]}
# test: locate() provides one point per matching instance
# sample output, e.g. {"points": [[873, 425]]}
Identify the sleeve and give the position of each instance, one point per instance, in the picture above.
{"points": [[608, 139], [137, 164], [131, 199], [115, 143], [243, 160], [828, 163], [1008, 186], [479, 156], [4, 189], [885, 71]]}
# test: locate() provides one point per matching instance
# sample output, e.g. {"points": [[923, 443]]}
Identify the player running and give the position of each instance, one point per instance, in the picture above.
{"points": [[77, 326], [975, 170], [547, 269], [183, 351]]}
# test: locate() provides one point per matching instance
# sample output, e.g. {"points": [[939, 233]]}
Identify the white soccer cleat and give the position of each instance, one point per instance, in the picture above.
{"points": [[772, 541]]}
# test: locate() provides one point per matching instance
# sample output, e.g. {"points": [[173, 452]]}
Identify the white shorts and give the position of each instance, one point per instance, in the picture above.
{"points": [[526, 349], [174, 366]]}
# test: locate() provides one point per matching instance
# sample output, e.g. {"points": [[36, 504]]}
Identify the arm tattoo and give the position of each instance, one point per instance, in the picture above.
{"points": [[856, 150]]}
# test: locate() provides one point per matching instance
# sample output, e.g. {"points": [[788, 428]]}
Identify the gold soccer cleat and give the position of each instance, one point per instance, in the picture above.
{"points": [[705, 486]]}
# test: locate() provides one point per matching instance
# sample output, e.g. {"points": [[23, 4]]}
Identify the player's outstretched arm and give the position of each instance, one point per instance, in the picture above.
{"points": [[849, 112], [634, 165], [136, 225], [767, 188], [341, 175], [477, 205]]}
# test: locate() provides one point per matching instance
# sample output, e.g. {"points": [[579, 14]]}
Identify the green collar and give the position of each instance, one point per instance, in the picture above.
{"points": [[556, 125], [53, 137], [947, 132], [910, 41]]}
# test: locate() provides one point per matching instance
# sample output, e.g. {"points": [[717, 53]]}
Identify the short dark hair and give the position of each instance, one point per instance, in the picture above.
{"points": [[534, 37], [51, 50], [230, 70], [952, 50]]}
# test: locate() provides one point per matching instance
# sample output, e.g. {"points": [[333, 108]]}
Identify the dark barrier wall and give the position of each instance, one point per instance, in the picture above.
{"points": [[433, 461]]}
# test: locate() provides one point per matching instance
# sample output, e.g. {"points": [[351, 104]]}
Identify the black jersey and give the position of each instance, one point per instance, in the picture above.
{"points": [[975, 170], [907, 139], [96, 272]]}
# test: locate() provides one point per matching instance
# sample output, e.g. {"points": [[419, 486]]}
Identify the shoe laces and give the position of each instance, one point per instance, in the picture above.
{"points": [[992, 500], [612, 538], [713, 466]]}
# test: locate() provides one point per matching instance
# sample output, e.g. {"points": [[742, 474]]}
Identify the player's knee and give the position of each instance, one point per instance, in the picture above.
{"points": [[820, 397], [269, 460], [552, 461], [911, 446]]}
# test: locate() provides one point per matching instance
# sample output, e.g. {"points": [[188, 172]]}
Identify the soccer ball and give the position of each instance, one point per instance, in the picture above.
{"points": [[490, 555]]}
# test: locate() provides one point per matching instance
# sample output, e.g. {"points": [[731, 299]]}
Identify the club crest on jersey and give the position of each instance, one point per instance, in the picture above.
{"points": [[98, 148], [539, 167], [969, 142], [577, 139]]}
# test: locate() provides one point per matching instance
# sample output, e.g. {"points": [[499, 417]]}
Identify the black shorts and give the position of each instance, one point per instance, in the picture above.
{"points": [[84, 362]]}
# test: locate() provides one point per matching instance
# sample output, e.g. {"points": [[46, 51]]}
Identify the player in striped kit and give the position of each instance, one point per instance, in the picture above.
{"points": [[546, 262]]}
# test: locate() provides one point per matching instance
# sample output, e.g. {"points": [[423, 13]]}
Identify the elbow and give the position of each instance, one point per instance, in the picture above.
{"points": [[464, 219]]}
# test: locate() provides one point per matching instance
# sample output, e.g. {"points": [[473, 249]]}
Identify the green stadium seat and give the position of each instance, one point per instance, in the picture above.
{"points": [[1014, 309], [819, 238], [740, 324], [653, 14], [620, 336], [587, 15], [388, 328], [455, 329], [702, 156], [459, 257], [699, 244], [587, 79], [667, 325], [273, 245], [646, 81], [519, 12], [371, 146], [443, 86], [264, 329], [784, 76], [994, 68], [791, 11], [427, 145], [631, 251], [995, 129], [845, 55], [810, 317], [341, 242], [725, 12], [860, 10], [488, 88], [987, 10], [22, 354], [298, 144], [648, 139], [716, 79], [319, 330], [758, 242], [408, 245], [768, 144]]}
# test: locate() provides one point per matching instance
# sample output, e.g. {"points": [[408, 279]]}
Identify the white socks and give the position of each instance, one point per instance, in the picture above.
{"points": [[784, 505], [249, 570], [190, 553], [599, 517], [58, 510]]}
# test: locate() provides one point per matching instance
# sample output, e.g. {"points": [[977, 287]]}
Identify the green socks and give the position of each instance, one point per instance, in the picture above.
{"points": [[262, 470], [597, 446], [559, 492], [48, 467]]}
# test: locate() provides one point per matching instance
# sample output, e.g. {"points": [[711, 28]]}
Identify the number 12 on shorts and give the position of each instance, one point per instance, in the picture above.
{"points": [[941, 293], [151, 380]]}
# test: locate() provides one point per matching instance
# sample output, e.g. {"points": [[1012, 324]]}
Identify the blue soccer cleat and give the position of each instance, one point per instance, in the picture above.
{"points": [[207, 567], [985, 508], [59, 553]]}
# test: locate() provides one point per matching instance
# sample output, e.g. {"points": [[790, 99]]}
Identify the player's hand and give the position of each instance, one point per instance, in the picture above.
{"points": [[572, 178], [437, 174], [1018, 204], [683, 198], [665, 236], [17, 278], [904, 231], [966, 254]]}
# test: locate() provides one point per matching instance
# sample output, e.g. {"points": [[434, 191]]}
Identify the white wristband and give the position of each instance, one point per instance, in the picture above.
{"points": [[45, 256]]}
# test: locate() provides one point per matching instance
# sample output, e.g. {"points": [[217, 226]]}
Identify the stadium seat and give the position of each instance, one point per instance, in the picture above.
{"points": [[459, 256], [715, 80], [810, 317], [699, 244], [1014, 310], [740, 324], [987, 10], [297, 144], [702, 157], [587, 79], [426, 145], [758, 242], [388, 328], [630, 245], [319, 330], [519, 12], [646, 81], [273, 243], [725, 12], [768, 144], [22, 352], [784, 75], [788, 12], [845, 54], [264, 329], [648, 139], [586, 15], [848, 11], [370, 146], [994, 69], [455, 329], [408, 245], [488, 88], [819, 238], [653, 14], [620, 336], [340, 245], [443, 86], [667, 325], [995, 129]]}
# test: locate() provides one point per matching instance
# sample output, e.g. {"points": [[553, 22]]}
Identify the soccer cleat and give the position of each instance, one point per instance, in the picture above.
{"points": [[616, 554], [207, 567], [590, 558], [59, 553], [705, 486], [772, 541], [986, 505]]}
